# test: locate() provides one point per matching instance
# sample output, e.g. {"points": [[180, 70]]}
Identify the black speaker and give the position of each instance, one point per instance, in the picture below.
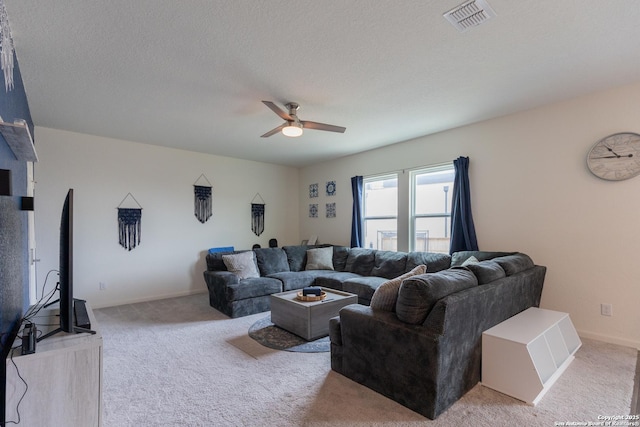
{"points": [[26, 203], [5, 182]]}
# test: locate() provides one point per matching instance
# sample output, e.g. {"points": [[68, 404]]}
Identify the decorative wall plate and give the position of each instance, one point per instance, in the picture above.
{"points": [[331, 188], [313, 190], [331, 210]]}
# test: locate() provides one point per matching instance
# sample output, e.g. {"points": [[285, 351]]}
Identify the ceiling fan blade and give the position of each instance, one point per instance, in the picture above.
{"points": [[274, 131], [279, 111], [322, 126]]}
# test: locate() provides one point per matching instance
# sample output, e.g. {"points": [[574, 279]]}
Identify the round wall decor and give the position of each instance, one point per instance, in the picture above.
{"points": [[615, 157]]}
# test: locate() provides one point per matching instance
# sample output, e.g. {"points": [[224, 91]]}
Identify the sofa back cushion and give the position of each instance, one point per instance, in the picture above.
{"points": [[389, 264], [512, 264], [214, 260], [434, 261], [340, 255], [296, 256], [458, 258], [419, 294], [360, 261], [271, 260], [487, 271], [386, 295]]}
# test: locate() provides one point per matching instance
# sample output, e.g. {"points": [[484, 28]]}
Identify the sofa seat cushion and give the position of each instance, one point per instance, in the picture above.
{"points": [[360, 261], [512, 264], [386, 295], [298, 279], [487, 271], [389, 264], [253, 287], [434, 261], [271, 260], [419, 294], [335, 279], [364, 287]]}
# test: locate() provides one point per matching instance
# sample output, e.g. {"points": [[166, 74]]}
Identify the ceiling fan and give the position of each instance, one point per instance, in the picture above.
{"points": [[293, 125]]}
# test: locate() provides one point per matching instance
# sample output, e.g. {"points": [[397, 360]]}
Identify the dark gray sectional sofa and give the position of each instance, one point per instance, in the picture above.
{"points": [[355, 270], [426, 353]]}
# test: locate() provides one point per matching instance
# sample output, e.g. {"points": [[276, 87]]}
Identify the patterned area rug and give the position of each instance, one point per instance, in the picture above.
{"points": [[269, 335]]}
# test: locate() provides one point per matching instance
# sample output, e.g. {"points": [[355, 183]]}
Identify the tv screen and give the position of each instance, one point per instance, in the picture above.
{"points": [[66, 265]]}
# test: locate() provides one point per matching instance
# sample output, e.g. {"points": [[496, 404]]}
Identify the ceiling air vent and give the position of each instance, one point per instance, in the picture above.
{"points": [[470, 14]]}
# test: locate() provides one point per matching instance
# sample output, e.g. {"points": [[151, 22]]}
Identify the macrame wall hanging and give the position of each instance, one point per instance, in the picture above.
{"points": [[257, 214], [129, 222], [202, 200]]}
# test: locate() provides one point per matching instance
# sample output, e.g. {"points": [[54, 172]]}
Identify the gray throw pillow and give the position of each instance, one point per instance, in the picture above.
{"points": [[242, 265], [320, 259]]}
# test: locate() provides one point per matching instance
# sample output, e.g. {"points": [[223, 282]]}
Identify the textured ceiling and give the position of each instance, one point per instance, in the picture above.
{"points": [[191, 74]]}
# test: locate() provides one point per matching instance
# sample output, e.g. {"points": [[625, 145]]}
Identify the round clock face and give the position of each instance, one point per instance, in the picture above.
{"points": [[615, 157]]}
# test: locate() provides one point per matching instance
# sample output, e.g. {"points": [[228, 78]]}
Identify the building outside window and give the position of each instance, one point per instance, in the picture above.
{"points": [[381, 212]]}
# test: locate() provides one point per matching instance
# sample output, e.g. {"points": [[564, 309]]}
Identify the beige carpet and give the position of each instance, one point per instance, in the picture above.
{"points": [[178, 362]]}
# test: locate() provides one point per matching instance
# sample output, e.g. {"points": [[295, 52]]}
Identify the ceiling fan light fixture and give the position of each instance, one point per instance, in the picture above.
{"points": [[292, 130]]}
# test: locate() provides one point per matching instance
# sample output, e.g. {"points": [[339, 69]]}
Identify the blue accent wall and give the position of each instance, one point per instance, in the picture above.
{"points": [[14, 256]]}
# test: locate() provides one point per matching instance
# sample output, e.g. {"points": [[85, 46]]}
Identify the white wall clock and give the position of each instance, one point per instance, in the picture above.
{"points": [[615, 157]]}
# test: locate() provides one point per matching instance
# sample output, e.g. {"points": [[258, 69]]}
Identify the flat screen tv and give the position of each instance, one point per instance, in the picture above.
{"points": [[66, 264], [71, 310]]}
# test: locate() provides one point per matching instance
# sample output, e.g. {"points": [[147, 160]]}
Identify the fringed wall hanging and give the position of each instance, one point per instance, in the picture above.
{"points": [[202, 199], [129, 223], [257, 215]]}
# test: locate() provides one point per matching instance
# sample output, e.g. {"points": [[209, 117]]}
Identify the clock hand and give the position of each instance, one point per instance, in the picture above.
{"points": [[610, 150], [617, 156]]}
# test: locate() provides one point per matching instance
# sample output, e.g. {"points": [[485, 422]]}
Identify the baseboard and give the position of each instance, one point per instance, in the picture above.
{"points": [[635, 399], [612, 340], [150, 298]]}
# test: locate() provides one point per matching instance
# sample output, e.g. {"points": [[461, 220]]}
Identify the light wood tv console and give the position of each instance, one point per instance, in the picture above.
{"points": [[63, 376]]}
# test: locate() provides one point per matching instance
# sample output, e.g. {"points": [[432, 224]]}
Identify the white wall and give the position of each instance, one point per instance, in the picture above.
{"points": [[531, 192], [170, 258]]}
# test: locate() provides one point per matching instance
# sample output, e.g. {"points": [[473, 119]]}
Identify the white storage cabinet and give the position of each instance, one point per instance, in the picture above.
{"points": [[524, 355]]}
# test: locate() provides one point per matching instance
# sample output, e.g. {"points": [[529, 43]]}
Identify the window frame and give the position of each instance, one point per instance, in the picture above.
{"points": [[376, 178], [413, 217]]}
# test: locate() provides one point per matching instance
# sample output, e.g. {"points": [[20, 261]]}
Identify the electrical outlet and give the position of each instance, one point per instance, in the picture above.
{"points": [[606, 309], [103, 286]]}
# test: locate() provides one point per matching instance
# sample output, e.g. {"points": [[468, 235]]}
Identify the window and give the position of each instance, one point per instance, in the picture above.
{"points": [[381, 212], [431, 191]]}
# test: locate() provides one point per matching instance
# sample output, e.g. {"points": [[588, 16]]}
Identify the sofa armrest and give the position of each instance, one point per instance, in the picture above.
{"points": [[396, 359], [216, 279]]}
